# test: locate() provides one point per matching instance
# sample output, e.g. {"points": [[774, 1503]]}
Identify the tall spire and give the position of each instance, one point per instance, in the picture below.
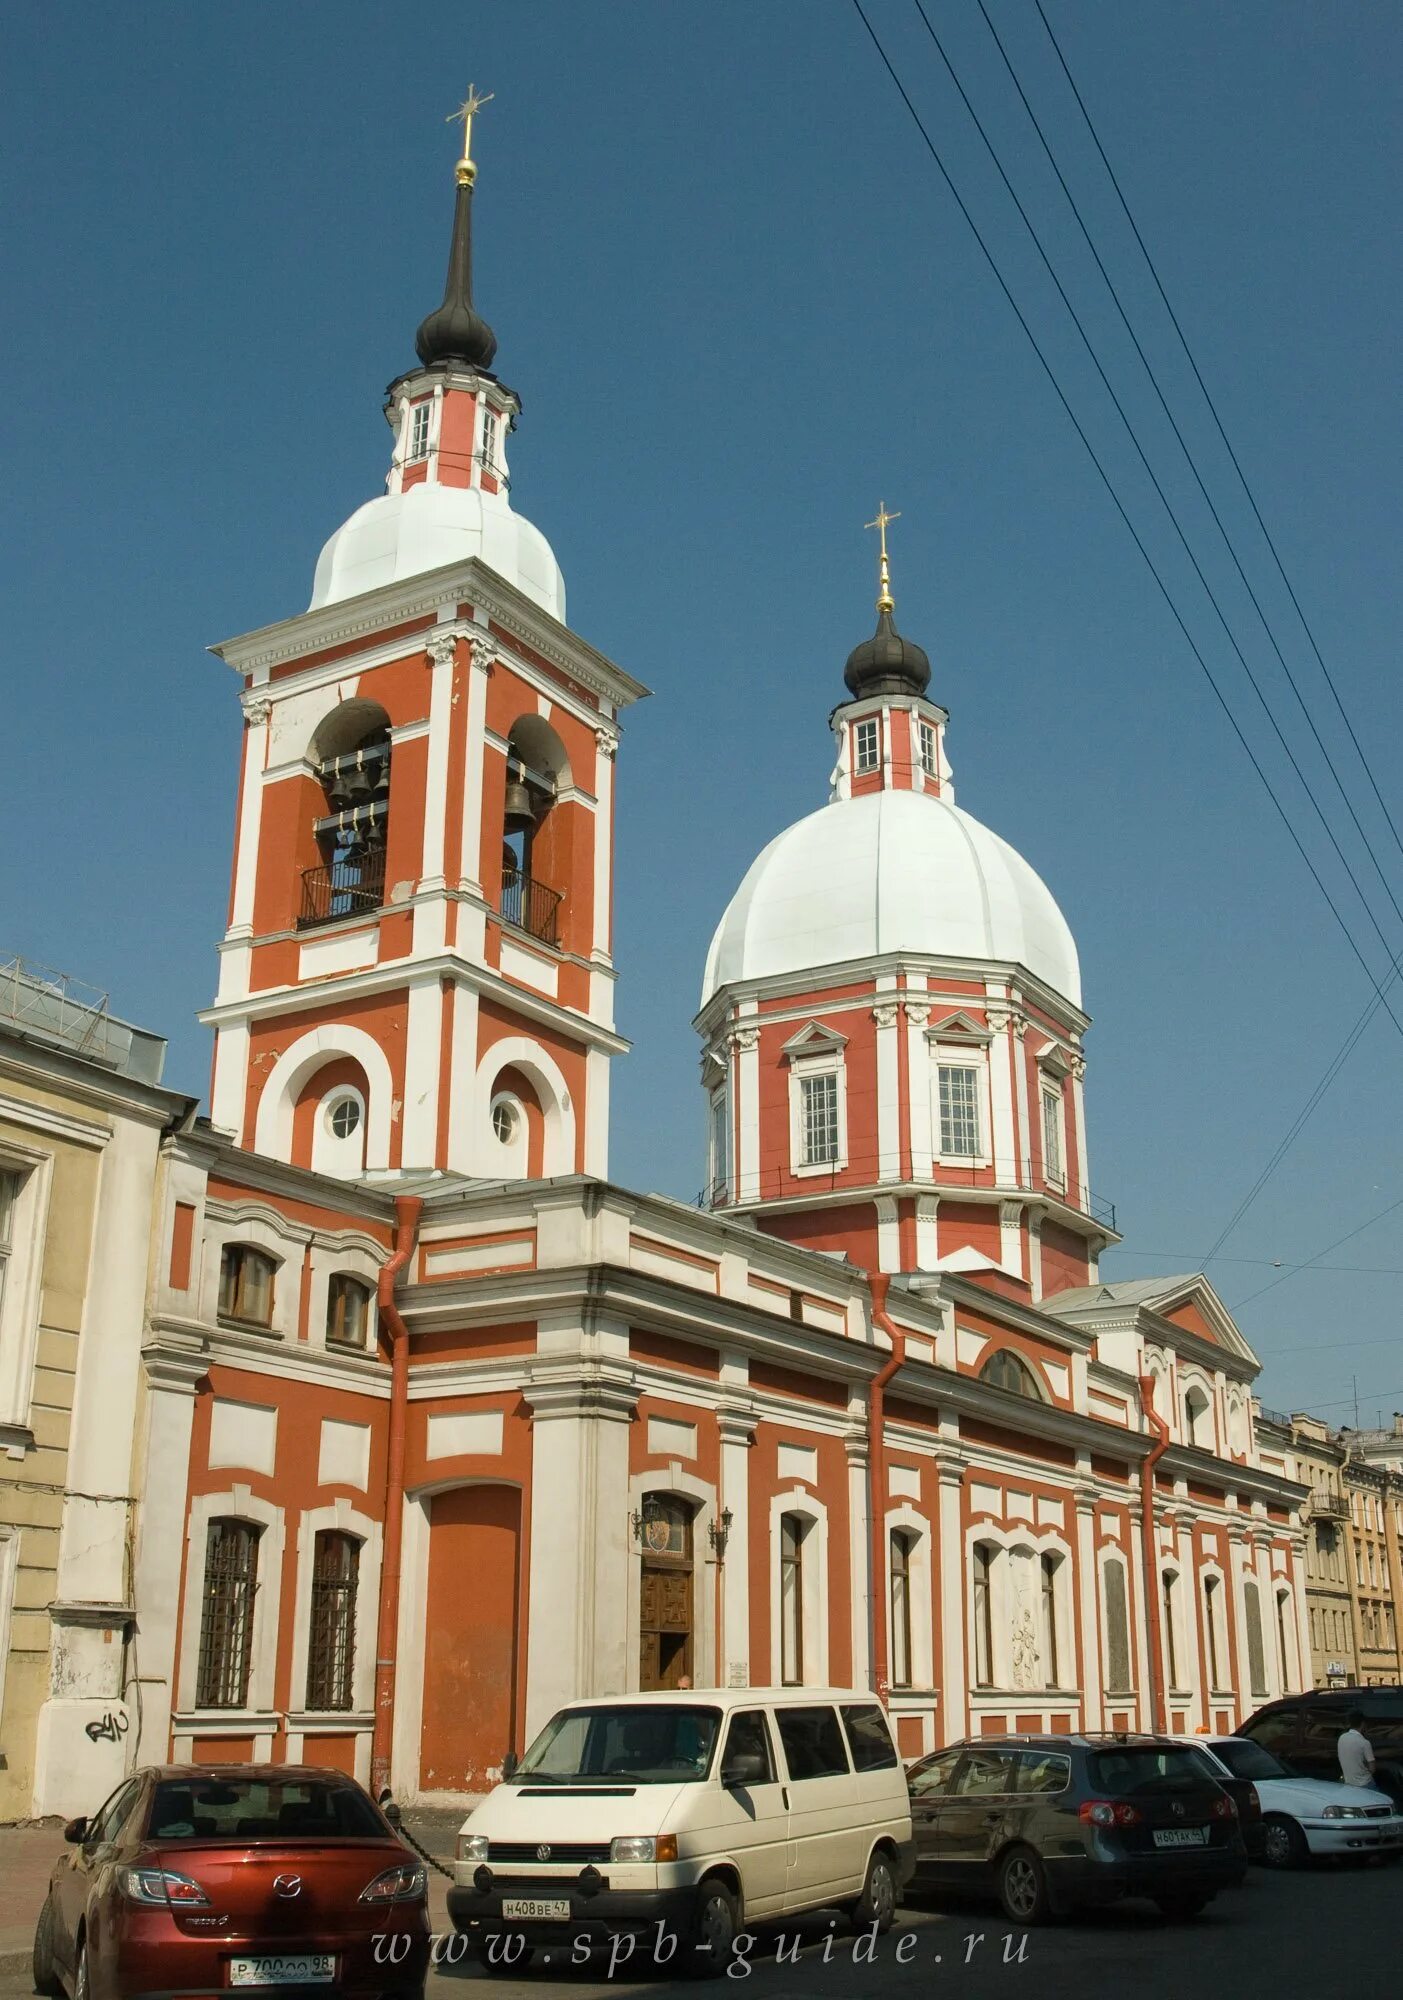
{"points": [[886, 663], [454, 331]]}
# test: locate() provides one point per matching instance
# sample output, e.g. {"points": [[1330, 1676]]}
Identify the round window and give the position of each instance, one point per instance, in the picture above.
{"points": [[344, 1117], [506, 1121]]}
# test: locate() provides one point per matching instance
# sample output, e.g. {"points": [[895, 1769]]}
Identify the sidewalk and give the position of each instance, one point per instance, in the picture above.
{"points": [[27, 1854]]}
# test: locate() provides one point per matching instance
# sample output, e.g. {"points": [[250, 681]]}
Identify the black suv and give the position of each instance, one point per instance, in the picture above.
{"points": [[1304, 1731], [1054, 1823]]}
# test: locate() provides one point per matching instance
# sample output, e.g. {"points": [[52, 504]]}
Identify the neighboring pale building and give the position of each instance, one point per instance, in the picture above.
{"points": [[1375, 1497], [1306, 1449], [82, 1115]]}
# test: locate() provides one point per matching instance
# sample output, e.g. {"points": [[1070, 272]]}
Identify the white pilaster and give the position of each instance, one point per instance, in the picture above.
{"points": [[918, 1075], [422, 1063], [954, 1690], [475, 754], [608, 743], [927, 1231], [745, 1108], [885, 1014], [736, 1423], [174, 1372], [597, 1074], [256, 713], [888, 1233], [860, 1558], [1274, 1665], [1005, 1143], [462, 1095]]}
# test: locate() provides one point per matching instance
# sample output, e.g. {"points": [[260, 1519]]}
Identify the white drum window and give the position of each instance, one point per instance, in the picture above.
{"points": [[867, 744], [926, 741], [818, 1120], [419, 419], [489, 439], [720, 1146], [1052, 1134], [959, 1090]]}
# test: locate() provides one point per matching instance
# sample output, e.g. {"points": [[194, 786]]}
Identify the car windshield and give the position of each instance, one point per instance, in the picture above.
{"points": [[1248, 1760], [245, 1809], [646, 1745], [1135, 1770]]}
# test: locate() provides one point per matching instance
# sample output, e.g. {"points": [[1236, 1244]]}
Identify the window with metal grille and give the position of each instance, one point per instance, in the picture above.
{"points": [[246, 1284], [347, 1310], [959, 1110], [226, 1622], [818, 1120], [903, 1544], [331, 1647], [926, 738], [867, 744], [791, 1600], [419, 430], [1052, 1135]]}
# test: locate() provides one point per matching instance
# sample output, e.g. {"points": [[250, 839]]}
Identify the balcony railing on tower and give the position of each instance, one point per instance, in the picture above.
{"points": [[530, 906], [340, 889]]}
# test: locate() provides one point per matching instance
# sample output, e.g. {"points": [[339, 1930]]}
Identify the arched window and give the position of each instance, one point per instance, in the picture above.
{"points": [[351, 753], [534, 862], [1117, 1627], [246, 1285], [1212, 1612], [331, 1645], [792, 1530], [1004, 1370], [984, 1557], [347, 1310], [1049, 1567], [1198, 1417], [1169, 1604], [226, 1618], [1283, 1638], [903, 1548], [1256, 1650]]}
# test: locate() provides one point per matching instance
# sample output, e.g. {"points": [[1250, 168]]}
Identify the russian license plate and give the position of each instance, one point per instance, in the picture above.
{"points": [[543, 1908], [1181, 1836], [307, 1968]]}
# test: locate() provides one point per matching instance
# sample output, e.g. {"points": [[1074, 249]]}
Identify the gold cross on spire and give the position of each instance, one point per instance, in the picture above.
{"points": [[885, 600], [464, 115]]}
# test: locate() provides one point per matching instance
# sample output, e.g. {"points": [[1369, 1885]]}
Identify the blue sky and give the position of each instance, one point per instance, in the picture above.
{"points": [[739, 308]]}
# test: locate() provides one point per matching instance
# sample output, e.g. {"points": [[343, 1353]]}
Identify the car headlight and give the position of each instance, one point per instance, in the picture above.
{"points": [[1342, 1812], [644, 1847], [472, 1846]]}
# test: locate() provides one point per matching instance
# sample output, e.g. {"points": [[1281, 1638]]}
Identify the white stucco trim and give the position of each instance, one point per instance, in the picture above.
{"points": [[916, 1524], [299, 1062], [535, 1062], [340, 1517], [238, 1503], [674, 1478], [807, 1506]]}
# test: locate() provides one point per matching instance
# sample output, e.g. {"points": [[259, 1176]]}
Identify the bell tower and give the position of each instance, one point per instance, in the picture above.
{"points": [[417, 972]]}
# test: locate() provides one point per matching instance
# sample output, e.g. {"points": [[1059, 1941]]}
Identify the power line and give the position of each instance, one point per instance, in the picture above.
{"points": [[1189, 458], [1173, 518], [1227, 441], [1347, 1238]]}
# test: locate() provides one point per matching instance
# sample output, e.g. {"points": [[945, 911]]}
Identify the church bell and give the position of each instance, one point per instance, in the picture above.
{"points": [[519, 804]]}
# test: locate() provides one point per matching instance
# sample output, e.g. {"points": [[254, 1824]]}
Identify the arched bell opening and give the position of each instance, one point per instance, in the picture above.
{"points": [[350, 753], [534, 839]]}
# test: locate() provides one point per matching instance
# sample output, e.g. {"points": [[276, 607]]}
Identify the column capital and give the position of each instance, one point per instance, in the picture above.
{"points": [[555, 1389], [743, 1038], [884, 1013], [917, 1012], [176, 1364], [441, 645], [608, 741], [951, 1467], [735, 1423], [257, 708], [483, 650]]}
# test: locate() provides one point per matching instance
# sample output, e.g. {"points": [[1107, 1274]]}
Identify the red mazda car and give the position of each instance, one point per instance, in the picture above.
{"points": [[199, 1880]]}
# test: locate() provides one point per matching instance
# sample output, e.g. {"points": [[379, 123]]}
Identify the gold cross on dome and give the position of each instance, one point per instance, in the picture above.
{"points": [[885, 600], [464, 116]]}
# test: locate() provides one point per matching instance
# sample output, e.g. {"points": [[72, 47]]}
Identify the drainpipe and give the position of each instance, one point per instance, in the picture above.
{"points": [[1151, 1548], [408, 1208], [880, 1283]]}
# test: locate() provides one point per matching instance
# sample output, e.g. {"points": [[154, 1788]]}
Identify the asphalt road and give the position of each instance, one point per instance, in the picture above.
{"points": [[1326, 1931]]}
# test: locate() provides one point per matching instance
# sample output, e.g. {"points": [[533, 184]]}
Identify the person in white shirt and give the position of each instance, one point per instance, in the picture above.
{"points": [[1356, 1752]]}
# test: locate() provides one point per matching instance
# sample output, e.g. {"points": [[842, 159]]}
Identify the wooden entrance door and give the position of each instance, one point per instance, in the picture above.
{"points": [[665, 1594]]}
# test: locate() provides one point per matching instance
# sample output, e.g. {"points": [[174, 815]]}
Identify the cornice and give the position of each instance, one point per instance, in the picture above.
{"points": [[317, 631], [808, 982]]}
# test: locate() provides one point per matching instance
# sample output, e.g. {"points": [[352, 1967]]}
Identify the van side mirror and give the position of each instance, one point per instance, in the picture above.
{"points": [[743, 1768], [76, 1832], [509, 1764]]}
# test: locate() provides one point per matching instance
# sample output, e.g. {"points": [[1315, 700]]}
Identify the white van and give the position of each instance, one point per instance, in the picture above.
{"points": [[677, 1819]]}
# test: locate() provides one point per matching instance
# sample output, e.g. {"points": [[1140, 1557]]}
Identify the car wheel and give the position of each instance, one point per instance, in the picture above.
{"points": [[44, 1971], [1179, 1909], [715, 1921], [1283, 1843], [877, 1903], [1023, 1887], [82, 1988]]}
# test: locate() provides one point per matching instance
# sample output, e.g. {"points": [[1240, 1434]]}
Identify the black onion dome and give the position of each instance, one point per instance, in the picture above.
{"points": [[886, 663], [454, 331]]}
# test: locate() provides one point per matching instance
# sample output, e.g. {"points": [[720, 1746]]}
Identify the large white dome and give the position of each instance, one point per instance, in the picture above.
{"points": [[428, 525], [891, 871]]}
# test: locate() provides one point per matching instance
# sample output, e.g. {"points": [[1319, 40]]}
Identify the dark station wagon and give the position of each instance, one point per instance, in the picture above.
{"points": [[1049, 1824]]}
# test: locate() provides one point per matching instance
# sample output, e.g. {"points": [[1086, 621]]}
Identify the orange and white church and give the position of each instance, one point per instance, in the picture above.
{"points": [[443, 1428]]}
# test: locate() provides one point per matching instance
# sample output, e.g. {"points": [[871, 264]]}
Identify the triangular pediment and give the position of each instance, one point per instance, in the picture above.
{"points": [[960, 1027], [814, 1039]]}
